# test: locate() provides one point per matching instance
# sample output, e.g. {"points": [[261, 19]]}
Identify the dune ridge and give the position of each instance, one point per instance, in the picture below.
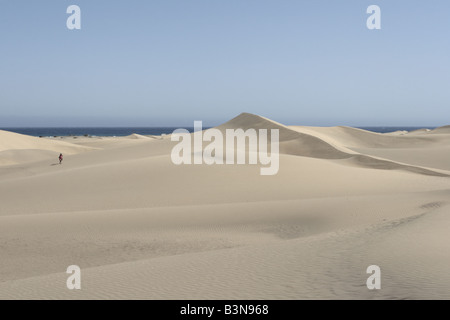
{"points": [[16, 141], [141, 227], [17, 148], [443, 129], [322, 143]]}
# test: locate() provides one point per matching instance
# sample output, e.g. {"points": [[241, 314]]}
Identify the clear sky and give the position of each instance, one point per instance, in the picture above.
{"points": [[170, 62]]}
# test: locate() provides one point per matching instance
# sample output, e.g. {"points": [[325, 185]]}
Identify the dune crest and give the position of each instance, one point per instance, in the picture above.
{"points": [[331, 143], [18, 148], [443, 129], [137, 136]]}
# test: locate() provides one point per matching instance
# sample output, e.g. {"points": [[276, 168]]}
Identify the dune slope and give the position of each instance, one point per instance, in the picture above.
{"points": [[141, 227]]}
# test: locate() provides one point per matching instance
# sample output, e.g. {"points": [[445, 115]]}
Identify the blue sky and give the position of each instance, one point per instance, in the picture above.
{"points": [[170, 62]]}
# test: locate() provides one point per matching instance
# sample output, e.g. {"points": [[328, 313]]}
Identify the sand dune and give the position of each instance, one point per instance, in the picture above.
{"points": [[137, 136], [419, 131], [18, 148], [359, 138], [332, 143], [141, 227], [441, 130], [16, 141]]}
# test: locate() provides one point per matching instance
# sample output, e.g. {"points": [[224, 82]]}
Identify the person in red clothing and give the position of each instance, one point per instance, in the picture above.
{"points": [[60, 158]]}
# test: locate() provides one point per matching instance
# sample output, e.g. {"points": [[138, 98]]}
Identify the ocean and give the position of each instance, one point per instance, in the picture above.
{"points": [[125, 131], [94, 131]]}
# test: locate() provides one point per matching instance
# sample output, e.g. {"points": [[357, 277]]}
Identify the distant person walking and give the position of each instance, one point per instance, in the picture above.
{"points": [[60, 158]]}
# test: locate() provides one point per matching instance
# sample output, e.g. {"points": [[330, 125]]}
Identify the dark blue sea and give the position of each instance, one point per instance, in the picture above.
{"points": [[125, 131], [94, 131]]}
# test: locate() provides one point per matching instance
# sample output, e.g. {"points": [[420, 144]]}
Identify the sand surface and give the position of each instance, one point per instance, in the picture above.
{"points": [[141, 227]]}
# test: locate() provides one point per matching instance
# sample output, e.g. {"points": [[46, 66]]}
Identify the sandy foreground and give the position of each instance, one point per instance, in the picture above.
{"points": [[141, 227]]}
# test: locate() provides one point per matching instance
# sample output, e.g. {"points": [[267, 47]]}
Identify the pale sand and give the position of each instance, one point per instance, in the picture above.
{"points": [[141, 227]]}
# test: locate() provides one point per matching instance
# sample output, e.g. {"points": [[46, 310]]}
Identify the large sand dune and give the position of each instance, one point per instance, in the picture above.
{"points": [[141, 227]]}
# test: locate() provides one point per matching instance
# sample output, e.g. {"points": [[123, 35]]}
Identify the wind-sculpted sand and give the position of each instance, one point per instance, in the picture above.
{"points": [[141, 227]]}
